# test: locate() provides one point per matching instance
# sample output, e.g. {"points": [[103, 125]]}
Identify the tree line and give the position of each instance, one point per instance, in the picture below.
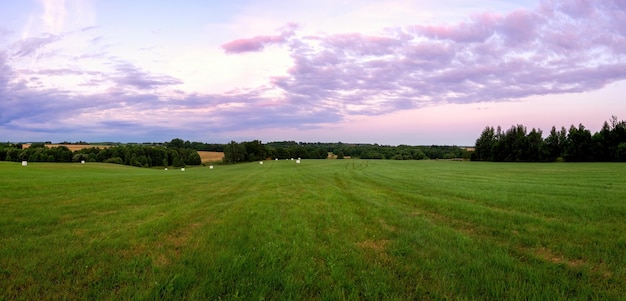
{"points": [[248, 151], [128, 154], [576, 144], [180, 153]]}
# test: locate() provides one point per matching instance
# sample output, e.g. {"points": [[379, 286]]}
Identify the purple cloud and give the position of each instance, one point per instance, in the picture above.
{"points": [[29, 46], [258, 43], [477, 30], [560, 47], [251, 44], [129, 75]]}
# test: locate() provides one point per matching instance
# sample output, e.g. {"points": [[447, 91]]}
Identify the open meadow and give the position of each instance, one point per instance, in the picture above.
{"points": [[319, 230]]}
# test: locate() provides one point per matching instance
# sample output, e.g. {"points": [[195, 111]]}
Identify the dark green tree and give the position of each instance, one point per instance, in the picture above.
{"points": [[578, 144], [176, 143], [234, 153], [484, 145], [555, 144]]}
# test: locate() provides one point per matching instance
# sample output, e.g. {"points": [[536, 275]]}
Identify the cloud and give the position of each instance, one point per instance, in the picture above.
{"points": [[30, 46], [67, 15], [252, 44], [129, 75], [54, 15], [559, 47], [258, 43]]}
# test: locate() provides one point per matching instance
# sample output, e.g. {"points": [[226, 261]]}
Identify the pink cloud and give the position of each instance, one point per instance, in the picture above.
{"points": [[578, 8], [561, 47], [490, 58], [477, 30], [258, 43], [252, 44], [520, 26]]}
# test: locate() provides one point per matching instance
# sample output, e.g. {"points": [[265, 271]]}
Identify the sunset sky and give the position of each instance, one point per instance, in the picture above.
{"points": [[415, 72]]}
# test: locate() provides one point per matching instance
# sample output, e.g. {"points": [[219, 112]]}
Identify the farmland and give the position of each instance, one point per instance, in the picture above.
{"points": [[206, 156], [323, 229]]}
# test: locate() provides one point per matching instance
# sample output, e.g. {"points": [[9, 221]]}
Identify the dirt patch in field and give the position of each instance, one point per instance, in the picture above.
{"points": [[375, 245], [376, 249], [210, 156], [547, 255], [386, 226], [173, 244]]}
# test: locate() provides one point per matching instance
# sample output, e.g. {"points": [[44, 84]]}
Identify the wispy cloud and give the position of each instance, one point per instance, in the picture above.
{"points": [[54, 15], [129, 75], [29, 46]]}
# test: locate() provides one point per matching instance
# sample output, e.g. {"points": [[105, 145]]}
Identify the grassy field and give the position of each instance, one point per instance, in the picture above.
{"points": [[323, 229]]}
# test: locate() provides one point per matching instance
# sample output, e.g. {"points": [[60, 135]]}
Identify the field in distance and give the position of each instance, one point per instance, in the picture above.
{"points": [[72, 147], [206, 156], [322, 229]]}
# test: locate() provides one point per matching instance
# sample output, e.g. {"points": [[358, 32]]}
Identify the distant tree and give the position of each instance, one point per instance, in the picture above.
{"points": [[234, 153], [418, 154], [613, 136], [578, 144], [193, 158], [254, 150], [484, 145], [535, 150], [555, 144], [603, 148], [61, 154], [13, 154], [178, 162], [621, 152], [78, 157], [38, 145], [176, 143]]}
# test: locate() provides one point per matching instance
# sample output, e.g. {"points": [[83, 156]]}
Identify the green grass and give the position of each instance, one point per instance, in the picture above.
{"points": [[321, 230]]}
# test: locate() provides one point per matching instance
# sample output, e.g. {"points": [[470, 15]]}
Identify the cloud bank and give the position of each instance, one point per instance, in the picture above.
{"points": [[558, 47]]}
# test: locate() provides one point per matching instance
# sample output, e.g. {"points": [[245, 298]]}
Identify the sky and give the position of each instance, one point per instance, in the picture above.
{"points": [[415, 72]]}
